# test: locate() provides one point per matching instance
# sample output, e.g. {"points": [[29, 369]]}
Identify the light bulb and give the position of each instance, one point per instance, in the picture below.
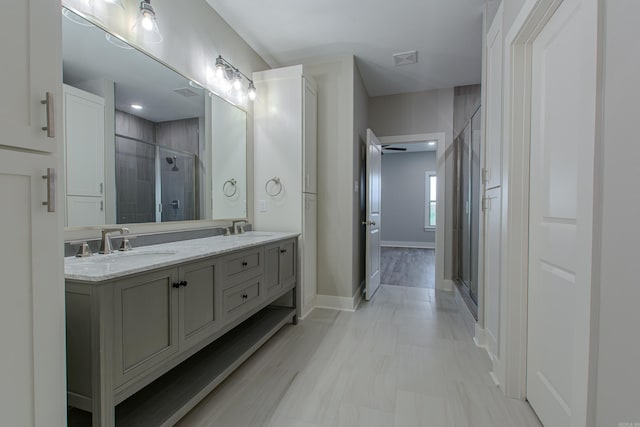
{"points": [[147, 22], [251, 93], [219, 72], [237, 80]]}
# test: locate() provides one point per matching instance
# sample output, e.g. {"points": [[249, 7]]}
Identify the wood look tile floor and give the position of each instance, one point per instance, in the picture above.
{"points": [[404, 359], [414, 267]]}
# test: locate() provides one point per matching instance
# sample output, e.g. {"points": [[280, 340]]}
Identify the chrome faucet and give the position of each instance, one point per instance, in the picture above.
{"points": [[234, 226], [105, 243]]}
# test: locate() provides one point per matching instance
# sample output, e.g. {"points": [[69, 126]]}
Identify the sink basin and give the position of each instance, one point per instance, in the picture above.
{"points": [[128, 257], [248, 234]]}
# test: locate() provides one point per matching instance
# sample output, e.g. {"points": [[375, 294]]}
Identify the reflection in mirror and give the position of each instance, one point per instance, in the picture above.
{"points": [[229, 186], [138, 137]]}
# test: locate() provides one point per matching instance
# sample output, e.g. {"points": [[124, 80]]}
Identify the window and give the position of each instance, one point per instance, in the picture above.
{"points": [[430, 200]]}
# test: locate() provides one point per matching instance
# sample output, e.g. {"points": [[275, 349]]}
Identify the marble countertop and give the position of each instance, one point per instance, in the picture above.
{"points": [[100, 268]]}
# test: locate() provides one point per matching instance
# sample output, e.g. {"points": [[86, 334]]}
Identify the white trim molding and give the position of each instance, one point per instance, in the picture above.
{"points": [[333, 302], [404, 244]]}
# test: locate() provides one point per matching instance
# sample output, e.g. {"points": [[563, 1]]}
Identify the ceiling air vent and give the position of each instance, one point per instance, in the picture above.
{"points": [[186, 92], [405, 58]]}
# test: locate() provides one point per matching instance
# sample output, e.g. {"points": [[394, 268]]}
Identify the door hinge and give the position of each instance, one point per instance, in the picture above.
{"points": [[485, 175]]}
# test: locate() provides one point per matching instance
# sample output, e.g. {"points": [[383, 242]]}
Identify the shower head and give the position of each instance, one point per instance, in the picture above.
{"points": [[173, 161]]}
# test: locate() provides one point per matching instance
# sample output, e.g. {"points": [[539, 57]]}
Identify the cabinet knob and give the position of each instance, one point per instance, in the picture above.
{"points": [[245, 263], [245, 296], [184, 283], [176, 285], [283, 251]]}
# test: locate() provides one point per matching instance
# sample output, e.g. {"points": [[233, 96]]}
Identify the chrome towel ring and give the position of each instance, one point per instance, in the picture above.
{"points": [[274, 189], [229, 188]]}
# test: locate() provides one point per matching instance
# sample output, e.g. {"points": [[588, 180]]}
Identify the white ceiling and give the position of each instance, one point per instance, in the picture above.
{"points": [[409, 147], [446, 33]]}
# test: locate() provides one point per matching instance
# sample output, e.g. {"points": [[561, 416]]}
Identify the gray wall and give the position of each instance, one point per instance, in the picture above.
{"points": [[403, 196]]}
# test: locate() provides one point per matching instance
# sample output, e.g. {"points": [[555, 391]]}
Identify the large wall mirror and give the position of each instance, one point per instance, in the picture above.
{"points": [[142, 142]]}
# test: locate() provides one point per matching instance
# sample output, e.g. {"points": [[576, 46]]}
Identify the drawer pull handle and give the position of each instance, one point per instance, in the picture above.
{"points": [[245, 296], [184, 283], [282, 251], [49, 128], [245, 263], [176, 285]]}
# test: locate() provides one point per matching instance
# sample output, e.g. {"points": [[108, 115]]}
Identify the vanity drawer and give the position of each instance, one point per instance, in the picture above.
{"points": [[241, 298], [243, 265]]}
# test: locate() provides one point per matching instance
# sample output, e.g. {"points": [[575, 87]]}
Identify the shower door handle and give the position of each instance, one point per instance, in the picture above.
{"points": [[175, 204]]}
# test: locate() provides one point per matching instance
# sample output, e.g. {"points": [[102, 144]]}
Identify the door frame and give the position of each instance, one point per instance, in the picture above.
{"points": [[442, 283], [515, 203]]}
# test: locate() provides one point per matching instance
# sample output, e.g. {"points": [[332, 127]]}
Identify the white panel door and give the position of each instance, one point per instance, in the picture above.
{"points": [[310, 149], [561, 213], [493, 108], [373, 221], [84, 142]]}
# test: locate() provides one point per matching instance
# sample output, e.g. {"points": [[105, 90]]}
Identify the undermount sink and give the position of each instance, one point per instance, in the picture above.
{"points": [[253, 234], [128, 256]]}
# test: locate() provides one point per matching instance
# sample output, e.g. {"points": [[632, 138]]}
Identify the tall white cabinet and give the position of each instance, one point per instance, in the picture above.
{"points": [[285, 169], [84, 157], [32, 372]]}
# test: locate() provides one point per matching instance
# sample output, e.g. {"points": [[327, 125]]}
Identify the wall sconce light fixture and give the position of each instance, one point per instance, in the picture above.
{"points": [[232, 77]]}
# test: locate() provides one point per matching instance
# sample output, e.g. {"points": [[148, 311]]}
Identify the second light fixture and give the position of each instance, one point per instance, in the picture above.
{"points": [[232, 77]]}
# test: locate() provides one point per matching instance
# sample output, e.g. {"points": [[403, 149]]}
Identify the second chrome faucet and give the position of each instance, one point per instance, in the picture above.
{"points": [[105, 243]]}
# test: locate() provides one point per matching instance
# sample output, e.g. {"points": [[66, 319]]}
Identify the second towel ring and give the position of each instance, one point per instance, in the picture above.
{"points": [[229, 184], [276, 183]]}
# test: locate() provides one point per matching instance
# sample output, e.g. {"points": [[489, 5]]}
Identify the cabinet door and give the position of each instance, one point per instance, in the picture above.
{"points": [[199, 302], [32, 302], [84, 142], [308, 251], [83, 211], [287, 263], [310, 147], [32, 388], [280, 266], [31, 46], [272, 269], [146, 323]]}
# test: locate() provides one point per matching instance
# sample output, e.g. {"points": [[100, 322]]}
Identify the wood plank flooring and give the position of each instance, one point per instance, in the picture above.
{"points": [[413, 267], [404, 359]]}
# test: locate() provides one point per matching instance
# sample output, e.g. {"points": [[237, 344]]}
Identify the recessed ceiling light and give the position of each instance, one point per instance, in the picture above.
{"points": [[136, 106], [432, 143]]}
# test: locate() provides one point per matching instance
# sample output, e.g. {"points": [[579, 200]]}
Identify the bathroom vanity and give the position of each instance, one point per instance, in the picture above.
{"points": [[152, 331]]}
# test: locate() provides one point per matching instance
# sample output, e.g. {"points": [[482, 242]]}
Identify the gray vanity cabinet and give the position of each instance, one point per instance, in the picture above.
{"points": [[125, 332], [280, 266], [199, 301], [145, 322]]}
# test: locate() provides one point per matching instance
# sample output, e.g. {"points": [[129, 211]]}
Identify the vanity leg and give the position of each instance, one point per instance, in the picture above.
{"points": [[294, 298], [103, 408]]}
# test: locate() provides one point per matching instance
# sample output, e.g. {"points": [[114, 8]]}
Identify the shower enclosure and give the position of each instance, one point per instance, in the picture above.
{"points": [[467, 207], [154, 183]]}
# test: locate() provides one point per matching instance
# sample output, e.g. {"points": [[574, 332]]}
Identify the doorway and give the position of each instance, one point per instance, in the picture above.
{"points": [[410, 202]]}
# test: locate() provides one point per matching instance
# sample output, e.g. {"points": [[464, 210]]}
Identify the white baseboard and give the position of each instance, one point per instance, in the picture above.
{"points": [[333, 302], [445, 285], [401, 244], [480, 337]]}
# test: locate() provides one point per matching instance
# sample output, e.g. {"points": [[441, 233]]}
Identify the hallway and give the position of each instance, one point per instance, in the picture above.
{"points": [[406, 358], [412, 267]]}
